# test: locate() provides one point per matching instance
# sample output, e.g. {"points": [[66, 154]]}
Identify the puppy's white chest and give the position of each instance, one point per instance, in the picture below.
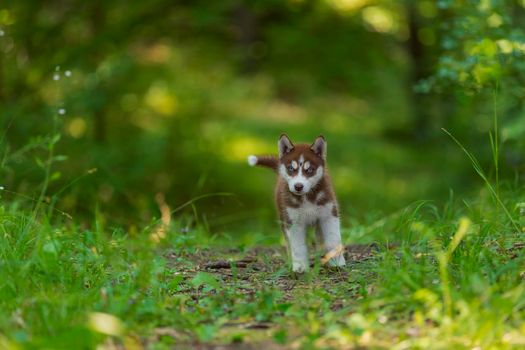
{"points": [[308, 213]]}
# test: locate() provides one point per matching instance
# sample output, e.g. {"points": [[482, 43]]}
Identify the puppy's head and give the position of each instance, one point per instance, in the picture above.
{"points": [[302, 165]]}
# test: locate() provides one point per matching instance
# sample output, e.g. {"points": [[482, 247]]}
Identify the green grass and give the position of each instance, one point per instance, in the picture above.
{"points": [[437, 277], [427, 276]]}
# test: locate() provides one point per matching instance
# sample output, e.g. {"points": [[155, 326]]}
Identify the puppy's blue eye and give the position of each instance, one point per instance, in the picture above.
{"points": [[290, 167], [310, 170]]}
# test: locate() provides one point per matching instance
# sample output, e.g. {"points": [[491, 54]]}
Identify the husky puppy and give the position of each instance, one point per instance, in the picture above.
{"points": [[305, 197]]}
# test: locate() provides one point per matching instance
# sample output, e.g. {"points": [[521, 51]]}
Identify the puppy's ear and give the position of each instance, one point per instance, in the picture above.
{"points": [[319, 147], [285, 145]]}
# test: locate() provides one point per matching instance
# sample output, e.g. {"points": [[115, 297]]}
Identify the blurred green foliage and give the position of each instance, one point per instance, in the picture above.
{"points": [[170, 97], [115, 113]]}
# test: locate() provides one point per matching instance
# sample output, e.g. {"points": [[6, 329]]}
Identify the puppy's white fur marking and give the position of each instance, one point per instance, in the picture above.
{"points": [[306, 165], [294, 164], [309, 213], [307, 182], [252, 160]]}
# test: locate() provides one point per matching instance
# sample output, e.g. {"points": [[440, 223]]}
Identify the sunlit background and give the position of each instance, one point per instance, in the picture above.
{"points": [[170, 97]]}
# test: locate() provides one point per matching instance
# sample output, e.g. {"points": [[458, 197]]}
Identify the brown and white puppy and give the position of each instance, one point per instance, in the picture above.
{"points": [[304, 197]]}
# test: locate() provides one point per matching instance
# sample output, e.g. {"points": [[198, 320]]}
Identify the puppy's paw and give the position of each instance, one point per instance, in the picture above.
{"points": [[299, 267], [337, 261]]}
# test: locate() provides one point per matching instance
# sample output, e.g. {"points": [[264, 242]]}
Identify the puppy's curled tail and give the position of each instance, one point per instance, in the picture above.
{"points": [[265, 161]]}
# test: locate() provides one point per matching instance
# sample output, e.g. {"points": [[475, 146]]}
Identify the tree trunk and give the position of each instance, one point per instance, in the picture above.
{"points": [[417, 54], [98, 23], [246, 23]]}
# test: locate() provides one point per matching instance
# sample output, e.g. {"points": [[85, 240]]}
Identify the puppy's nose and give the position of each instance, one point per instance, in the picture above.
{"points": [[299, 187]]}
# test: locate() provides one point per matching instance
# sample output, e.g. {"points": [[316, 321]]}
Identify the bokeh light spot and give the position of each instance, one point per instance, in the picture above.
{"points": [[494, 20], [6, 18], [77, 127], [348, 6], [160, 100], [237, 149], [378, 19]]}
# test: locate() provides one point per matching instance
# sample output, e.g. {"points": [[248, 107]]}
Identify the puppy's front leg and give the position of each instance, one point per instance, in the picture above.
{"points": [[296, 235], [330, 228]]}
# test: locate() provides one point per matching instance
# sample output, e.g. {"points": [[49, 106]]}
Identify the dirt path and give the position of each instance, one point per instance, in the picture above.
{"points": [[250, 271]]}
